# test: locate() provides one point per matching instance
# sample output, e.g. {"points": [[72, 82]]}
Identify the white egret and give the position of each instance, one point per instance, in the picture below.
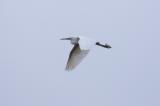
{"points": [[80, 50]]}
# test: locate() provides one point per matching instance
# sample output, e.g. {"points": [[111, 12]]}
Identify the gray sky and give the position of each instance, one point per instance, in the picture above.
{"points": [[32, 58]]}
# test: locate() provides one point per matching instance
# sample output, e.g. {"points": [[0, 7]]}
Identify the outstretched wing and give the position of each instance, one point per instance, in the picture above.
{"points": [[75, 57]]}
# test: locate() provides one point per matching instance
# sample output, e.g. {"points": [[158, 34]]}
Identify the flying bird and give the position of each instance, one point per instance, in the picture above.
{"points": [[80, 49]]}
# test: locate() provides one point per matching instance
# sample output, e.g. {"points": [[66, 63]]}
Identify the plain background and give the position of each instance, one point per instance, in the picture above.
{"points": [[33, 59]]}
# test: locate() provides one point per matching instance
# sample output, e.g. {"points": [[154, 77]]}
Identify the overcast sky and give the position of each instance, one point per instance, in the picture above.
{"points": [[33, 59]]}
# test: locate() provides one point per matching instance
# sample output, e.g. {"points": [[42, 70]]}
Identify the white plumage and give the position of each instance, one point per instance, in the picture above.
{"points": [[80, 50]]}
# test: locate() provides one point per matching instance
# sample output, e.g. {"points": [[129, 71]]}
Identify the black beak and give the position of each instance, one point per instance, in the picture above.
{"points": [[65, 39]]}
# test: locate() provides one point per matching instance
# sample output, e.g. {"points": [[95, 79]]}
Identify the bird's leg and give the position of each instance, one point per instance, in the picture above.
{"points": [[105, 46]]}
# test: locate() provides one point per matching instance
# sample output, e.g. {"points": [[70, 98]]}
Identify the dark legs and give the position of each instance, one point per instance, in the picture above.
{"points": [[105, 46]]}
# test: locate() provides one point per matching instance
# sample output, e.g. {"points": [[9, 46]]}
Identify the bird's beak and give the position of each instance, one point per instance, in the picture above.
{"points": [[65, 39]]}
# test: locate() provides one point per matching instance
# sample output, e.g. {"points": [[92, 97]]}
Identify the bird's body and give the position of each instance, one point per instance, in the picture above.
{"points": [[75, 57], [80, 50]]}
